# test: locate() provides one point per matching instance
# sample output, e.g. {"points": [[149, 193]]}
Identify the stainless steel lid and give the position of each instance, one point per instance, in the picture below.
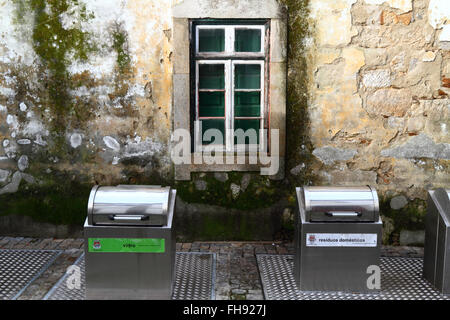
{"points": [[129, 205], [341, 203]]}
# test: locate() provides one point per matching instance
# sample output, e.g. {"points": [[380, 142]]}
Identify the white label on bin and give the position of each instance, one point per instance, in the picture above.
{"points": [[341, 239]]}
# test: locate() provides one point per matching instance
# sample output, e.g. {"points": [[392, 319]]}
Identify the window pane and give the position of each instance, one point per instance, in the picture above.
{"points": [[246, 125], [211, 104], [211, 76], [211, 40], [247, 76], [247, 40], [247, 104], [214, 124]]}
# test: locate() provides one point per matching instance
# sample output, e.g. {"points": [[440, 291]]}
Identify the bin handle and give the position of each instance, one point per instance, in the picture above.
{"points": [[343, 214], [127, 217]]}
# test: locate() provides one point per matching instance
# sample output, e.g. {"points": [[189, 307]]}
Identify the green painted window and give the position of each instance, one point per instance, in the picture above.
{"points": [[247, 40], [247, 125], [247, 104], [247, 95], [211, 40], [212, 104], [217, 124], [247, 76], [211, 76]]}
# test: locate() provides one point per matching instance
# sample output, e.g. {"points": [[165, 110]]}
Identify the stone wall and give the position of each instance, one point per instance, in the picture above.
{"points": [[379, 104], [86, 98]]}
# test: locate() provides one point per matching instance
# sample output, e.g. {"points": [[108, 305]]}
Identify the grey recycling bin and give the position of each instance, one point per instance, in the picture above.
{"points": [[130, 242], [436, 264], [337, 238]]}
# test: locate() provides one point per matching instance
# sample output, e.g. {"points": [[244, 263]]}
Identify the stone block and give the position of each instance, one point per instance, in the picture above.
{"points": [[420, 146], [429, 56], [4, 175], [333, 22], [200, 185], [278, 40], [375, 56], [389, 102], [235, 190], [329, 155], [245, 181], [349, 178], [278, 102], [397, 123], [377, 78], [181, 46], [363, 14], [408, 237], [389, 17], [415, 124], [181, 101], [435, 110], [221, 176], [13, 186], [398, 202], [231, 9]]}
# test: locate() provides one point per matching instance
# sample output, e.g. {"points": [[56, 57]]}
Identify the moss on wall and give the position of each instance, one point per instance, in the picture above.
{"points": [[120, 45], [298, 143], [410, 217], [61, 201], [217, 229], [123, 74], [216, 224], [260, 192], [56, 46]]}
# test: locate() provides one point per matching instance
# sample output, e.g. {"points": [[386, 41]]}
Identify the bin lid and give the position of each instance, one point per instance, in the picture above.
{"points": [[129, 205], [358, 203]]}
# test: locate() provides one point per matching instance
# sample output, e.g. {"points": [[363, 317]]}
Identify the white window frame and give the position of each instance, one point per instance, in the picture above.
{"points": [[229, 67], [198, 138], [262, 140], [229, 39]]}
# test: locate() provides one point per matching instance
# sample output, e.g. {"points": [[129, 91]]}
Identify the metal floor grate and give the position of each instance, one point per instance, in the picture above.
{"points": [[19, 268], [194, 279], [195, 273], [60, 290], [401, 279]]}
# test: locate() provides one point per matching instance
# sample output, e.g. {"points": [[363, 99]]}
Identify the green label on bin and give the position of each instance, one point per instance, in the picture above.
{"points": [[126, 245]]}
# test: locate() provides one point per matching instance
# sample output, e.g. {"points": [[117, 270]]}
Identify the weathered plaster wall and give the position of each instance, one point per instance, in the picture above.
{"points": [[85, 92], [86, 96]]}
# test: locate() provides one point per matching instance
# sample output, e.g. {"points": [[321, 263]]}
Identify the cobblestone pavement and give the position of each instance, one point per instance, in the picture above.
{"points": [[237, 275]]}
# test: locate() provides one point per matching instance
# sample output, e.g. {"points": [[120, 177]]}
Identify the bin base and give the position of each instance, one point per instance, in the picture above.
{"points": [[115, 274], [329, 258]]}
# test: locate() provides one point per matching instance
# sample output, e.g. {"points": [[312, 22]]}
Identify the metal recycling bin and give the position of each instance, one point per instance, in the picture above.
{"points": [[436, 264], [337, 238], [130, 242]]}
